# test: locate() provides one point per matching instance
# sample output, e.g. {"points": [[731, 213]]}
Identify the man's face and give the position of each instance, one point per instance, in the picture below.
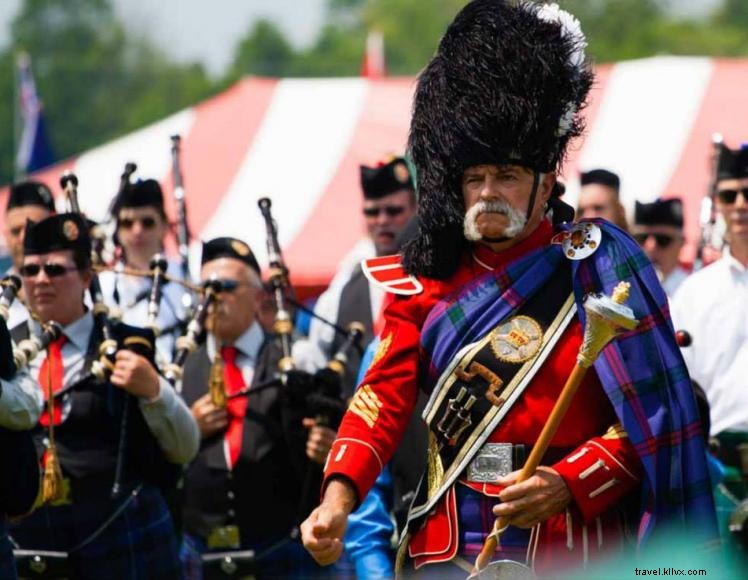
{"points": [[734, 211], [55, 292], [15, 228], [141, 230], [236, 308], [662, 244], [496, 199], [598, 201], [387, 217]]}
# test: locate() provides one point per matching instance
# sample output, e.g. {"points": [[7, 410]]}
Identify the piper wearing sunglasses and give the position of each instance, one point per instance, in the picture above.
{"points": [[86, 414], [712, 306], [658, 229], [141, 227], [243, 490]]}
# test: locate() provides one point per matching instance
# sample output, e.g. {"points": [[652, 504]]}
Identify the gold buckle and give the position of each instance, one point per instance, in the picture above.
{"points": [[224, 537]]}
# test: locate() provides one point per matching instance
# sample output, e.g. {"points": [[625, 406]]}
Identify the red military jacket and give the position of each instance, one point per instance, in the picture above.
{"points": [[600, 471]]}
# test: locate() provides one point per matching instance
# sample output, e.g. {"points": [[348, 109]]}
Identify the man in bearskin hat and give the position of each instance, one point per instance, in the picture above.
{"points": [[712, 306], [86, 443], [487, 319]]}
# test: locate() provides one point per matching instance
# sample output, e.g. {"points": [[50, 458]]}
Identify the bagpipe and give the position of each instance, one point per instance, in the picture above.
{"points": [[711, 225]]}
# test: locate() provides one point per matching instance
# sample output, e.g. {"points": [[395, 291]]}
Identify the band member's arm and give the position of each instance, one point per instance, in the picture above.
{"points": [[601, 472], [379, 411], [20, 402], [166, 415]]}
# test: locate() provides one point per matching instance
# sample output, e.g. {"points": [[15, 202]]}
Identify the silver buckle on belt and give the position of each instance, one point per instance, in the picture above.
{"points": [[492, 461]]}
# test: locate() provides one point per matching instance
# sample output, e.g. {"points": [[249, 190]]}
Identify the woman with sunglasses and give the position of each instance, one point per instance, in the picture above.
{"points": [[141, 227], [712, 306]]}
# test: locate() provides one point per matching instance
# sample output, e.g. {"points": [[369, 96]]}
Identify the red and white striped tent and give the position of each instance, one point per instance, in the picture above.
{"points": [[300, 142]]}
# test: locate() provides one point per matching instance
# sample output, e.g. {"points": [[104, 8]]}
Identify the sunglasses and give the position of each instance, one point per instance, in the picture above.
{"points": [[728, 196], [390, 210], [147, 223], [224, 284], [661, 240], [51, 270]]}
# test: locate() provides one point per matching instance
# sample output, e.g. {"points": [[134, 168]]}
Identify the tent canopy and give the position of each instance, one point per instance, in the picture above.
{"points": [[300, 142]]}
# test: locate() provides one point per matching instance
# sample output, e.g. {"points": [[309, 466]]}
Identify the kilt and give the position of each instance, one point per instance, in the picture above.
{"points": [[7, 566], [138, 543], [276, 560]]}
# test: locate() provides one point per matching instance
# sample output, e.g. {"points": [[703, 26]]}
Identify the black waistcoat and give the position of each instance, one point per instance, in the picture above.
{"points": [[88, 438], [262, 493], [354, 306]]}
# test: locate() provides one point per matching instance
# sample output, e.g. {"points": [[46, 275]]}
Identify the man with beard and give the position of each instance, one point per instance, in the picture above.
{"points": [[658, 229], [389, 204], [485, 320], [712, 306]]}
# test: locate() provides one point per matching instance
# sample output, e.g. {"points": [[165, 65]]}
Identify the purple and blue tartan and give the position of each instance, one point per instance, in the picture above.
{"points": [[140, 543], [642, 372]]}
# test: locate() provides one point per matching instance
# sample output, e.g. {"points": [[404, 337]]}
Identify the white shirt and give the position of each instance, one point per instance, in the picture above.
{"points": [[130, 288], [672, 281], [712, 306], [248, 349], [167, 417], [20, 402]]}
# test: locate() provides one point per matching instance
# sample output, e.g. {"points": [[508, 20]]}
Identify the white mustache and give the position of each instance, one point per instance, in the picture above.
{"points": [[517, 220]]}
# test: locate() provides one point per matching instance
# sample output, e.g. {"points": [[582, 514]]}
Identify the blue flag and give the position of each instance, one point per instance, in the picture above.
{"points": [[34, 148]]}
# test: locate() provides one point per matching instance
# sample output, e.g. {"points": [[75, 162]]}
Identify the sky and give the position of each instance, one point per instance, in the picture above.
{"points": [[208, 31]]}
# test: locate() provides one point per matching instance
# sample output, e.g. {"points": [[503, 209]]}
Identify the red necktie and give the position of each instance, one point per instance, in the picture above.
{"points": [[52, 373], [236, 407]]}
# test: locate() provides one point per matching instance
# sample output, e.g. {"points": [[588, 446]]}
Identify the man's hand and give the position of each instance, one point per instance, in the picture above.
{"points": [[210, 419], [134, 374], [319, 441], [322, 532], [534, 500]]}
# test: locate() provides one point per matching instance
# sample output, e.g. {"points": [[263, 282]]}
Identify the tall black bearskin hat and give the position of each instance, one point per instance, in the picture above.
{"points": [[732, 163], [506, 86]]}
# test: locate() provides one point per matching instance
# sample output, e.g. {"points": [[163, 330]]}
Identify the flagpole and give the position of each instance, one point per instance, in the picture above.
{"points": [[16, 115]]}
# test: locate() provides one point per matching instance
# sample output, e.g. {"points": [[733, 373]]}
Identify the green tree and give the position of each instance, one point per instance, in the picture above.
{"points": [[95, 82], [264, 52]]}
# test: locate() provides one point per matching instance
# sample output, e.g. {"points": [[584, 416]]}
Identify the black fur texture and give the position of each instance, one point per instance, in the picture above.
{"points": [[494, 93]]}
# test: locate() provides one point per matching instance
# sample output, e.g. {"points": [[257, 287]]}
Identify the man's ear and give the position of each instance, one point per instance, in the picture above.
{"points": [[546, 186]]}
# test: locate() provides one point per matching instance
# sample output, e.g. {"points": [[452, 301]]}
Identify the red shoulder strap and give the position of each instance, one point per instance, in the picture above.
{"points": [[388, 273]]}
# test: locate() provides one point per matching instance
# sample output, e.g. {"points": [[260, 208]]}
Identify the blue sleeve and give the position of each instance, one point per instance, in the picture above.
{"points": [[368, 537]]}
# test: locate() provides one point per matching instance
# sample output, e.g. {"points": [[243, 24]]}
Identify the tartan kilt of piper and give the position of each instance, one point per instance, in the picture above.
{"points": [[139, 543]]}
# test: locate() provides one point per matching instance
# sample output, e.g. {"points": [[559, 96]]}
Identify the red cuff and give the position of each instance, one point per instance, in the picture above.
{"points": [[355, 460], [599, 474]]}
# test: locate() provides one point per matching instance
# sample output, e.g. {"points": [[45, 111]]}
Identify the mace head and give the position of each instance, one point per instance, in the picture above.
{"points": [[607, 316]]}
